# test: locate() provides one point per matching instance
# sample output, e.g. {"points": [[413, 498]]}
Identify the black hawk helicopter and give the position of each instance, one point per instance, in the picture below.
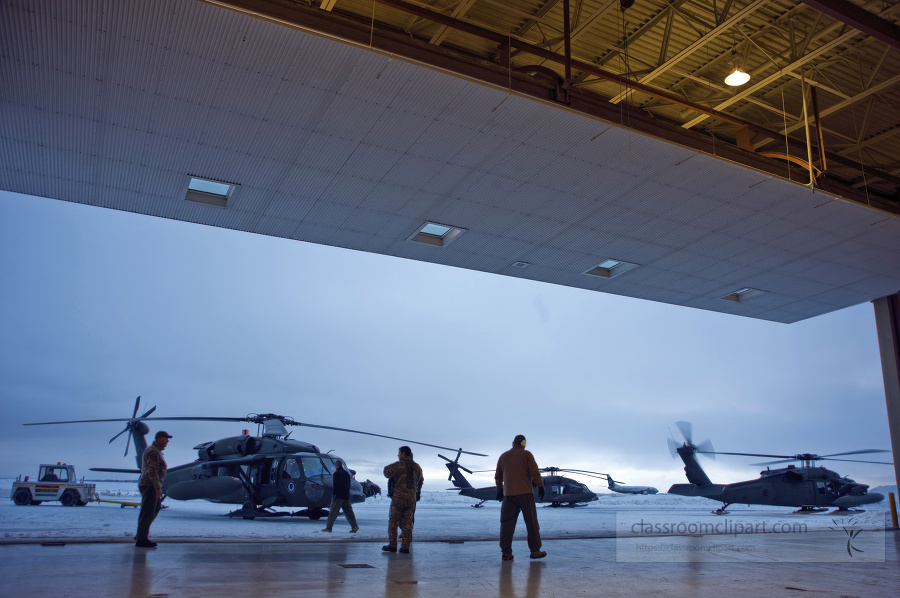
{"points": [[558, 490], [257, 472], [808, 487]]}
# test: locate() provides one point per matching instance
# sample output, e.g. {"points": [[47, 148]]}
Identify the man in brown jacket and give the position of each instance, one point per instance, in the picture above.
{"points": [[153, 474], [516, 470]]}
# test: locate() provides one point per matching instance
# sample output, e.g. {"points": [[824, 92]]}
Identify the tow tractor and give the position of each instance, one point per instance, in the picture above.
{"points": [[54, 482]]}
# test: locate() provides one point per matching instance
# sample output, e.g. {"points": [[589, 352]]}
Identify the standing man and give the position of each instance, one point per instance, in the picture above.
{"points": [[340, 499], [153, 474], [405, 488], [516, 470]]}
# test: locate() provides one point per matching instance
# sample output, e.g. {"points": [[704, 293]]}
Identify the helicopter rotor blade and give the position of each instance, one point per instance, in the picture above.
{"points": [[672, 446], [455, 463], [583, 471], [127, 442], [858, 461], [137, 405], [256, 419], [446, 448], [127, 429], [788, 457], [859, 452], [706, 448], [686, 430], [128, 419]]}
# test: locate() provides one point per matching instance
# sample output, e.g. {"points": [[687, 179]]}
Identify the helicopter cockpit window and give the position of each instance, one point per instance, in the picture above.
{"points": [[292, 469], [312, 466]]}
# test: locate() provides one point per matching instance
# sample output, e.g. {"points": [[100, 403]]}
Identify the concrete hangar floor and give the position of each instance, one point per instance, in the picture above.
{"points": [[691, 565]]}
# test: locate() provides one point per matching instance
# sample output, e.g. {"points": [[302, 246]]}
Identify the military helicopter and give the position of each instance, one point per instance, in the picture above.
{"points": [[558, 490], [808, 487], [258, 472]]}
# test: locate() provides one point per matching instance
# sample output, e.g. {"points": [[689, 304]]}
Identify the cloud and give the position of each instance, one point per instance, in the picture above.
{"points": [[100, 306]]}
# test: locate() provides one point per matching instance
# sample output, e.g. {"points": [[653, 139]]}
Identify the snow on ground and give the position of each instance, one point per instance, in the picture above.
{"points": [[440, 516]]}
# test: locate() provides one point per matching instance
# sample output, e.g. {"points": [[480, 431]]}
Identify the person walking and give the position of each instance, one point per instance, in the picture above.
{"points": [[516, 471], [153, 474], [340, 499], [405, 488]]}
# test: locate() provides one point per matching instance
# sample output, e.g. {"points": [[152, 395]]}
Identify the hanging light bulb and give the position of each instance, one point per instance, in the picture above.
{"points": [[738, 75]]}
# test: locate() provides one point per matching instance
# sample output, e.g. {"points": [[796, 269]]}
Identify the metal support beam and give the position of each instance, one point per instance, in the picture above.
{"points": [[820, 140], [700, 43], [567, 45], [859, 18], [887, 324], [321, 21]]}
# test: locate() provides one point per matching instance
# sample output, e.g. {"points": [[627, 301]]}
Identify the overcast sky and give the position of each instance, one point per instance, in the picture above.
{"points": [[99, 306]]}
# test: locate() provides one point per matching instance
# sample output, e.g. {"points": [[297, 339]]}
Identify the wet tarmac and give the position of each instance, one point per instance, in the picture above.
{"points": [[832, 563]]}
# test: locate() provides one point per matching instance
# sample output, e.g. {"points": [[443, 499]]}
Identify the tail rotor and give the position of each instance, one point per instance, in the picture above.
{"points": [[686, 429], [134, 425], [453, 465]]}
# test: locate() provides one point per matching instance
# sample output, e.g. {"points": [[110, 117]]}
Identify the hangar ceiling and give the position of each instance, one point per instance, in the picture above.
{"points": [[459, 133]]}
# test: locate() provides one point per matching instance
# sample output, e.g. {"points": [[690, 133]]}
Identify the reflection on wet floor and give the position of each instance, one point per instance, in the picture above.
{"points": [[575, 567]]}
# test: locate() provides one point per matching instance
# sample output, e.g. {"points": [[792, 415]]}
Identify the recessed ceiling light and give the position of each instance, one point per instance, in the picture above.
{"points": [[610, 268], [743, 294], [439, 235], [438, 230], [212, 193]]}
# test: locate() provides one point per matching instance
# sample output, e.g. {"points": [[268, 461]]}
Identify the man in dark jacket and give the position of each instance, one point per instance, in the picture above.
{"points": [[405, 488], [153, 474], [340, 499], [516, 471]]}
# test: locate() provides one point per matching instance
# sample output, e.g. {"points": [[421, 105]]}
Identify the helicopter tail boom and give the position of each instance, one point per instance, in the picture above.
{"points": [[708, 491]]}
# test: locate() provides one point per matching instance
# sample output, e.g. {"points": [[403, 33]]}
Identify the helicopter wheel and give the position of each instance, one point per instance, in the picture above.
{"points": [[248, 512], [316, 514]]}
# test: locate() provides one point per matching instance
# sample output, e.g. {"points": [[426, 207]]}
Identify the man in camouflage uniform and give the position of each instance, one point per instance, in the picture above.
{"points": [[153, 474], [405, 488]]}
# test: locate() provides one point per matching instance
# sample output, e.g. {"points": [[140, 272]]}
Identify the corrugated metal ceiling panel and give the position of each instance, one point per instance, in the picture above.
{"points": [[164, 90]]}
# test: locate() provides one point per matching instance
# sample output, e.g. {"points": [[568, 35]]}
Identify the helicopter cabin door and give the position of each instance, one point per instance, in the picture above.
{"points": [[303, 480], [317, 492]]}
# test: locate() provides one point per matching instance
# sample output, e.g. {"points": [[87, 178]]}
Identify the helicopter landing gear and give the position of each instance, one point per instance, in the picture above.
{"points": [[313, 513], [721, 510], [809, 510], [846, 511], [248, 511]]}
